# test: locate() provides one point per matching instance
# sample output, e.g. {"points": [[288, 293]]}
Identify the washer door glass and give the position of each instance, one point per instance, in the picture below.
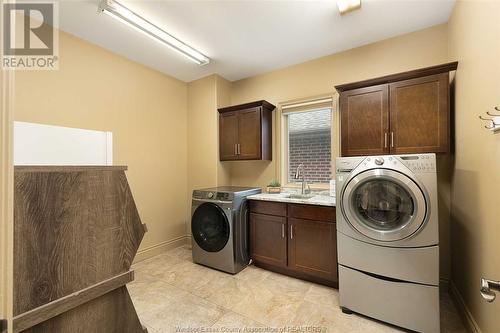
{"points": [[210, 227], [384, 204]]}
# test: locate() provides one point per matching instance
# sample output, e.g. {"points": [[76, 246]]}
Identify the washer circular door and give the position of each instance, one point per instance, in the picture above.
{"points": [[384, 205], [210, 227]]}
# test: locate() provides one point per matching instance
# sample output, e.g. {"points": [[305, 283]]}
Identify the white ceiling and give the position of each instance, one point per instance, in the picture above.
{"points": [[245, 38]]}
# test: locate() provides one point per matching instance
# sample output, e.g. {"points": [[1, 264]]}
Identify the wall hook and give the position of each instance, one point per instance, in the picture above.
{"points": [[489, 288], [493, 119], [492, 114], [492, 127]]}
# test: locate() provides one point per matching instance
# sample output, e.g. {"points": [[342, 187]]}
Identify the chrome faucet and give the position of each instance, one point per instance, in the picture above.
{"points": [[300, 172]]}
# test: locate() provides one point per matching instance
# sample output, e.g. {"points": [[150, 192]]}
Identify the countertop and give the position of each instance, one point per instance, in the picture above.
{"points": [[319, 200]]}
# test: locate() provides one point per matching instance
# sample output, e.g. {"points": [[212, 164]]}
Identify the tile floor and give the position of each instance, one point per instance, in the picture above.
{"points": [[172, 294]]}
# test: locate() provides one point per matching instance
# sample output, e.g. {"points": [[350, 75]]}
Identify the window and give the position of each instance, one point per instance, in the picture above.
{"points": [[309, 142]]}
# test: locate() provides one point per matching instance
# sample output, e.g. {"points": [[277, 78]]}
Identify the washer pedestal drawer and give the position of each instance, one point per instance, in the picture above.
{"points": [[408, 305], [419, 265]]}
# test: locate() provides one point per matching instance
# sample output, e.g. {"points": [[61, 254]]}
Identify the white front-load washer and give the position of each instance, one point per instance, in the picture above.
{"points": [[388, 239]]}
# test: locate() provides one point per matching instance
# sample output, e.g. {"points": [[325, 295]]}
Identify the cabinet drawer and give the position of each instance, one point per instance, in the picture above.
{"points": [[267, 207], [419, 265], [411, 305], [309, 212]]}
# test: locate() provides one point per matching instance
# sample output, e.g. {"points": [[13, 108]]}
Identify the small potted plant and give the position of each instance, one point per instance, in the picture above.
{"points": [[274, 187]]}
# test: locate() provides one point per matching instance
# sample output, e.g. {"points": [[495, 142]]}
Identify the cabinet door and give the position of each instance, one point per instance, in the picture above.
{"points": [[420, 115], [268, 239], [312, 248], [365, 121], [249, 134], [228, 136]]}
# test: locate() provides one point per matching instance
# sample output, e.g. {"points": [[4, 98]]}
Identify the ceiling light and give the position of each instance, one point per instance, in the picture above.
{"points": [[128, 17], [346, 6]]}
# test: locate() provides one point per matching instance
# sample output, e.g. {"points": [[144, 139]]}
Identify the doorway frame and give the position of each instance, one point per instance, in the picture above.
{"points": [[6, 195]]}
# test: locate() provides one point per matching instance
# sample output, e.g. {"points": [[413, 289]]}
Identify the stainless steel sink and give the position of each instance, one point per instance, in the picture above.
{"points": [[301, 196]]}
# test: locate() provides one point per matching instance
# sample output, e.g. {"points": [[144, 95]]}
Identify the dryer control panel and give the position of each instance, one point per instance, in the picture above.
{"points": [[212, 195], [419, 163]]}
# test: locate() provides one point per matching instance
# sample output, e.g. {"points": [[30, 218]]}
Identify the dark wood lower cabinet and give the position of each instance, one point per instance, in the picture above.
{"points": [[268, 241], [296, 240], [312, 248]]}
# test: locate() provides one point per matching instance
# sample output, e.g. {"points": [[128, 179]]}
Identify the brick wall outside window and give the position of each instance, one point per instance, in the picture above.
{"points": [[313, 149]]}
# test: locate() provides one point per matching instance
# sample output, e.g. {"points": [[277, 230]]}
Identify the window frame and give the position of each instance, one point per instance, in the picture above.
{"points": [[284, 138]]}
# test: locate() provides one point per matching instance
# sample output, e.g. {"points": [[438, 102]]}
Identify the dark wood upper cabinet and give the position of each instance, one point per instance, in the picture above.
{"points": [[245, 132], [365, 121], [228, 131], [402, 113], [249, 134], [420, 114]]}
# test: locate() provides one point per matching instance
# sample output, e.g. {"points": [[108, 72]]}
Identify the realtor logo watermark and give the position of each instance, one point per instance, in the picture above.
{"points": [[30, 39]]}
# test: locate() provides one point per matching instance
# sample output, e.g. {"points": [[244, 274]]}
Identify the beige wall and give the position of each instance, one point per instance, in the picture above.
{"points": [[202, 129], [201, 138], [166, 130], [474, 31], [145, 110], [419, 49], [171, 144], [223, 91], [204, 168]]}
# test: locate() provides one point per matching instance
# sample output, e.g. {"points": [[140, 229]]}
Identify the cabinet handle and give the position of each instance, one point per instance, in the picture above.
{"points": [[385, 140], [235, 149], [291, 231], [239, 149], [392, 139], [282, 231]]}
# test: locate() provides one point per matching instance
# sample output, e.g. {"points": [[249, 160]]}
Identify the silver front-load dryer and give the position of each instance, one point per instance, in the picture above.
{"points": [[388, 240], [219, 227]]}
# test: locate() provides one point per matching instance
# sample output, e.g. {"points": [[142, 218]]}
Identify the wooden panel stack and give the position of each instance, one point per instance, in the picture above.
{"points": [[76, 233]]}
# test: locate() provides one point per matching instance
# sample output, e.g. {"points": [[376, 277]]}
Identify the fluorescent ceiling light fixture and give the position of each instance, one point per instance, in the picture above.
{"points": [[128, 17], [346, 6]]}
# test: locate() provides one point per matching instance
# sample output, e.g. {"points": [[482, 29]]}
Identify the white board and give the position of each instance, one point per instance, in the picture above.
{"points": [[38, 144]]}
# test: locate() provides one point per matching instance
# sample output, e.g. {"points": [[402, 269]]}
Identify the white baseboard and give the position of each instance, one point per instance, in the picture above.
{"points": [[469, 321], [162, 247]]}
